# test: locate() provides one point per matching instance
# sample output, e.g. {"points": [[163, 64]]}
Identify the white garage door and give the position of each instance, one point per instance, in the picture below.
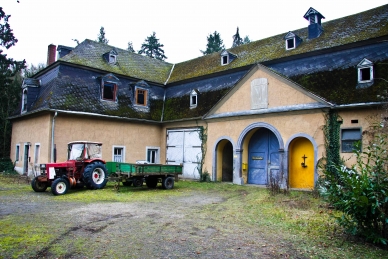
{"points": [[184, 147]]}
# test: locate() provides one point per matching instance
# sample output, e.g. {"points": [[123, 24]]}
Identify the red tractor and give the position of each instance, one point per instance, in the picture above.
{"points": [[84, 167]]}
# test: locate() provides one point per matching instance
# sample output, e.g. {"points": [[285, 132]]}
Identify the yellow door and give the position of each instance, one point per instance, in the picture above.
{"points": [[301, 164]]}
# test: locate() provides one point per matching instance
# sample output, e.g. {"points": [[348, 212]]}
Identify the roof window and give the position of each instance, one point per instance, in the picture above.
{"points": [[314, 17], [194, 98], [109, 87], [227, 57], [365, 71], [111, 57], [141, 94], [292, 40]]}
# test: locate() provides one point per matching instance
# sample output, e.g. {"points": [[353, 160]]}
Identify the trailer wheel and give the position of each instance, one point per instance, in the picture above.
{"points": [[59, 186], [127, 183], [95, 175], [137, 182], [37, 185], [151, 182], [168, 183]]}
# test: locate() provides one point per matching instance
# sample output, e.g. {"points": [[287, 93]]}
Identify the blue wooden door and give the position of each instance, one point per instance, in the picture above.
{"points": [[263, 156]]}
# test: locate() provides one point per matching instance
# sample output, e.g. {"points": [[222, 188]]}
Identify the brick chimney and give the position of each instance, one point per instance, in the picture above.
{"points": [[51, 52]]}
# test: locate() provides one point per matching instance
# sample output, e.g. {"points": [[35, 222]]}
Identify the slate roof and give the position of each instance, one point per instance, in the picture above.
{"points": [[354, 28], [90, 53]]}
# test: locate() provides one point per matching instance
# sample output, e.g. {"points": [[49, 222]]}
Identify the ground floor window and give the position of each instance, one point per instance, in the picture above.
{"points": [[17, 153], [153, 155], [349, 137], [118, 154]]}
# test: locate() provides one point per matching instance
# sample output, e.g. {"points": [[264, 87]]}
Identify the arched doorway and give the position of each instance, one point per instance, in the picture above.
{"points": [[301, 164], [263, 156], [227, 162]]}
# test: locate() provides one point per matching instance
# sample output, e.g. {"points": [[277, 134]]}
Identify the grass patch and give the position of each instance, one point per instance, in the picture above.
{"points": [[297, 221]]}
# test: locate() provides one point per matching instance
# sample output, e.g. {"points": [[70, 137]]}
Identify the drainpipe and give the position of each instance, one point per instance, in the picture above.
{"points": [[52, 137], [164, 97]]}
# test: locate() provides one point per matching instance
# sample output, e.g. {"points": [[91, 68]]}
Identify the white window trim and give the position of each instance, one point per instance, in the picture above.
{"points": [[341, 138], [112, 59], [113, 152], [24, 98], [287, 48], [371, 74], [17, 156], [222, 60], [157, 158], [36, 155], [193, 94]]}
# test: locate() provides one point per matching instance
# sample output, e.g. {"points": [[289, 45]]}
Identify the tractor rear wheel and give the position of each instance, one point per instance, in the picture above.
{"points": [[59, 186], [168, 183], [151, 182], [37, 185], [95, 175]]}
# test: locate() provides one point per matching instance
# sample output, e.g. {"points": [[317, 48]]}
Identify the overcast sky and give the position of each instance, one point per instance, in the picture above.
{"points": [[181, 25]]}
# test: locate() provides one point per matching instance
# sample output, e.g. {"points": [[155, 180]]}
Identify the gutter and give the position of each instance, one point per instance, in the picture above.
{"points": [[164, 97]]}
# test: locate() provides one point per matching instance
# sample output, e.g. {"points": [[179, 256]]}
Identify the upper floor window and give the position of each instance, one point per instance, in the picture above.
{"points": [[111, 56], [194, 98], [292, 40], [141, 96], [24, 100], [109, 91], [365, 71], [227, 57], [349, 137]]}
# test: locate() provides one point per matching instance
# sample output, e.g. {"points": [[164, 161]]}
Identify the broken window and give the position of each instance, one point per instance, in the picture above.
{"points": [[109, 91], [365, 71], [290, 43], [24, 100]]}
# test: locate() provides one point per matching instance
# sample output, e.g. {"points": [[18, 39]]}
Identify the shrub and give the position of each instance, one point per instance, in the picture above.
{"points": [[6, 164], [360, 192]]}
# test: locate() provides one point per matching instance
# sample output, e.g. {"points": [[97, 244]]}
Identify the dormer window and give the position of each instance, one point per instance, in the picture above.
{"points": [[109, 91], [141, 96], [194, 98], [365, 71], [111, 57], [109, 87], [314, 17], [292, 41], [24, 100], [227, 57]]}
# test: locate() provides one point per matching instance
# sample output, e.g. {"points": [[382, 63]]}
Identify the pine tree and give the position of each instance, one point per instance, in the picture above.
{"points": [[152, 48], [237, 40], [246, 40], [10, 81], [101, 37], [214, 44], [130, 47]]}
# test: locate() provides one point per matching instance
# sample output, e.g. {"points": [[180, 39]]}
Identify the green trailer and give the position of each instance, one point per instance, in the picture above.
{"points": [[136, 174]]}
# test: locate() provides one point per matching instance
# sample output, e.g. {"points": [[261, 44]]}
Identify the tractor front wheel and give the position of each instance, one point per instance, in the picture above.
{"points": [[37, 185], [95, 175], [59, 186]]}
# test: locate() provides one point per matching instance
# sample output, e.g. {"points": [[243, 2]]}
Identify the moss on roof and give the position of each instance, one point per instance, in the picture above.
{"points": [[358, 27], [340, 86], [90, 53]]}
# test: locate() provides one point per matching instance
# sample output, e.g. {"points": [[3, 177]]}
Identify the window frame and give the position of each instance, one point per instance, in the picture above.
{"points": [[24, 100], [106, 83], [122, 148], [145, 96], [194, 95], [112, 58], [344, 148], [157, 154], [365, 64], [293, 42], [17, 153], [224, 60]]}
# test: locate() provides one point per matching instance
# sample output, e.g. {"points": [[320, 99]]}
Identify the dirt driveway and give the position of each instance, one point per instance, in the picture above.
{"points": [[188, 225]]}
